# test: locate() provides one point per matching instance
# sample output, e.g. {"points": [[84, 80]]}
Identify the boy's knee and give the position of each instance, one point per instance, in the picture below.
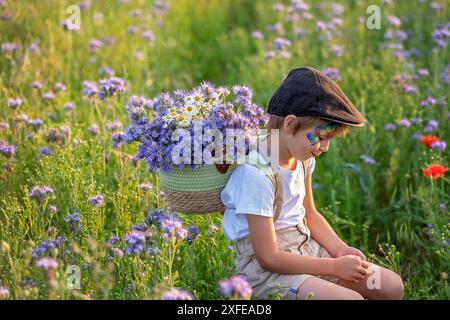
{"points": [[393, 287]]}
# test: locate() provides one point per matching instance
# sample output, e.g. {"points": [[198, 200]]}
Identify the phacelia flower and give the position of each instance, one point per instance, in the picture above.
{"points": [[177, 294], [73, 221], [368, 159], [40, 193], [236, 287], [135, 241], [7, 149], [96, 200], [439, 145], [111, 87], [14, 103]]}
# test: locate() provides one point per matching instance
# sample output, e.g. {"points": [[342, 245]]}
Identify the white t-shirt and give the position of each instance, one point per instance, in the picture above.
{"points": [[250, 191]]}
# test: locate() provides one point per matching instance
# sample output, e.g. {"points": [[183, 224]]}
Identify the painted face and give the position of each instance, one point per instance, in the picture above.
{"points": [[324, 132]]}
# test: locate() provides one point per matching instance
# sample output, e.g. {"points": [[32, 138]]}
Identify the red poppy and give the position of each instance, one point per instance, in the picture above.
{"points": [[429, 140], [435, 171]]}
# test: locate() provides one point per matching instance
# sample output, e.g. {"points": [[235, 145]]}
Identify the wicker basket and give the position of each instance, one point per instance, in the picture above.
{"points": [[195, 191]]}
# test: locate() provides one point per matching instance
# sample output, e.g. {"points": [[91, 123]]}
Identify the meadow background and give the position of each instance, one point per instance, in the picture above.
{"points": [[370, 185]]}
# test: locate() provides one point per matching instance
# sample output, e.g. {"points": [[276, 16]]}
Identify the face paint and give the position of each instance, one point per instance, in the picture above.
{"points": [[312, 138], [324, 132]]}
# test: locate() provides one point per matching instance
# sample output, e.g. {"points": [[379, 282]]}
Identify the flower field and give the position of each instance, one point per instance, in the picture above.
{"points": [[82, 212]]}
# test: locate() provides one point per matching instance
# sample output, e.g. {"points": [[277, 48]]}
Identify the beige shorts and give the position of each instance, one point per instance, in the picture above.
{"points": [[270, 285]]}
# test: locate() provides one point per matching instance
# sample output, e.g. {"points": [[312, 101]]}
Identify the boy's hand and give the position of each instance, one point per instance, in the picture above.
{"points": [[345, 251], [350, 268]]}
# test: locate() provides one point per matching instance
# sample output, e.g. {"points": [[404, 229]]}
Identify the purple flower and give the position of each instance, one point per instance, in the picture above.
{"points": [[417, 136], [117, 252], [257, 35], [148, 36], [409, 88], [439, 145], [44, 151], [52, 209], [416, 120], [394, 21], [113, 239], [14, 103], [236, 287], [40, 193], [73, 221], [389, 127], [48, 96], [368, 159], [68, 106], [243, 95], [423, 72], [321, 26], [118, 138], [332, 73], [440, 37], [269, 55], [145, 187], [281, 43], [337, 50], [299, 33], [106, 71], [36, 85], [9, 47], [428, 101], [172, 226], [89, 88], [114, 126], [135, 241], [95, 45], [154, 217], [111, 87], [47, 264], [177, 294], [96, 200], [401, 35], [59, 87], [132, 30], [404, 123], [136, 108], [433, 124], [151, 251], [94, 129], [192, 233], [7, 149]]}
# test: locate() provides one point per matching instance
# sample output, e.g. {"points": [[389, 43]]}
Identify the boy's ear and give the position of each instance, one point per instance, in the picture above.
{"points": [[289, 123]]}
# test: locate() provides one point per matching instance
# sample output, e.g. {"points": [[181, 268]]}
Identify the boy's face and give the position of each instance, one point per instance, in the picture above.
{"points": [[311, 142]]}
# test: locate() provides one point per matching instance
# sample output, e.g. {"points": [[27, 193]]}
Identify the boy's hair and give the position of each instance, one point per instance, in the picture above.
{"points": [[276, 122]]}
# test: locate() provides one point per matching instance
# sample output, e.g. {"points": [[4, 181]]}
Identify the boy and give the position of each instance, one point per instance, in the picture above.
{"points": [[296, 253]]}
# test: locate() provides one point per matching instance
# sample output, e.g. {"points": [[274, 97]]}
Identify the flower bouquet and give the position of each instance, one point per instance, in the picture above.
{"points": [[193, 141]]}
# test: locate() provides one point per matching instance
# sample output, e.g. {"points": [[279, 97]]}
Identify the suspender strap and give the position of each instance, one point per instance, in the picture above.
{"points": [[277, 185]]}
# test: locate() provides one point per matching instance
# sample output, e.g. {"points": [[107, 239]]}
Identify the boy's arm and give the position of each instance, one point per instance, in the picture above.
{"points": [[263, 238], [320, 229]]}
